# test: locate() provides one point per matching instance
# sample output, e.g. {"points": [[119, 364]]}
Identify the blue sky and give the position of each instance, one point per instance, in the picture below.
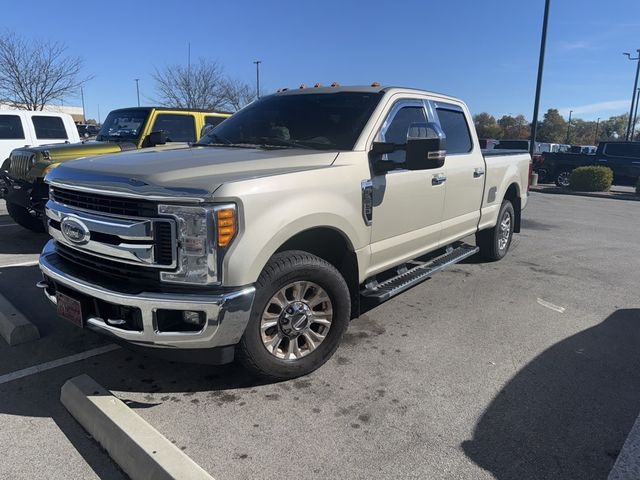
{"points": [[485, 51]]}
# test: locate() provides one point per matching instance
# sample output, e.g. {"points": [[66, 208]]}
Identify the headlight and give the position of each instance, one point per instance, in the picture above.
{"points": [[204, 234]]}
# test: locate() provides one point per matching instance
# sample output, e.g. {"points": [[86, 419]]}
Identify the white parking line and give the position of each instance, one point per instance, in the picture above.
{"points": [[9, 377], [551, 306], [23, 264]]}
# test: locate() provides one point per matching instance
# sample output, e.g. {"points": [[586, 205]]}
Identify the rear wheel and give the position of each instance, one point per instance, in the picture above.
{"points": [[31, 220], [494, 243], [300, 313]]}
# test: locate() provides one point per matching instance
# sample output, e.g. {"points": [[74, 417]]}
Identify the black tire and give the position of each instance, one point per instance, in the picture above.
{"points": [[562, 178], [26, 219], [283, 269], [489, 240]]}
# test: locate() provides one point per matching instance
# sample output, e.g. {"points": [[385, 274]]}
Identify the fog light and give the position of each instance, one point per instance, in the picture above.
{"points": [[193, 318]]}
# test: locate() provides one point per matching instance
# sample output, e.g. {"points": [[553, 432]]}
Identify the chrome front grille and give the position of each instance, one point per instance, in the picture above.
{"points": [[20, 164], [127, 207], [144, 242]]}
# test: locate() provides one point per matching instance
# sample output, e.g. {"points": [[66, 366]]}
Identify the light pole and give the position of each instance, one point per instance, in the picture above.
{"points": [[568, 127], [257, 62], [138, 89], [635, 87], [84, 116], [595, 137], [536, 105], [635, 116]]}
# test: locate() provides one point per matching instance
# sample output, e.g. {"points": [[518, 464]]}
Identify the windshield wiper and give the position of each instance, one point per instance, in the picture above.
{"points": [[277, 142]]}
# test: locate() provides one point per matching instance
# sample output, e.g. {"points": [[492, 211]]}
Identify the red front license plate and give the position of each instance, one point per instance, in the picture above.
{"points": [[69, 309]]}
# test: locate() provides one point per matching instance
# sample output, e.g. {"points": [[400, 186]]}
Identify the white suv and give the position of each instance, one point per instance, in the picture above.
{"points": [[20, 128]]}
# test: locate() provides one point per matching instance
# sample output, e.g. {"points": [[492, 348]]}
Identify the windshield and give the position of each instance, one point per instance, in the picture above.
{"points": [[123, 125], [322, 121]]}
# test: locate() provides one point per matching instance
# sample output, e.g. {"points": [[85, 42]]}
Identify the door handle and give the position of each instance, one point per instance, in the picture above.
{"points": [[438, 179], [478, 172]]}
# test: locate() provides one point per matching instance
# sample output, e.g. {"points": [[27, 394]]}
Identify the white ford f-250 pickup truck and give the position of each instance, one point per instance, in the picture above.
{"points": [[261, 241]]}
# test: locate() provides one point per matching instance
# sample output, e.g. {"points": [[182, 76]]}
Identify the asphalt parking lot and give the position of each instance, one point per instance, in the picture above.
{"points": [[522, 369]]}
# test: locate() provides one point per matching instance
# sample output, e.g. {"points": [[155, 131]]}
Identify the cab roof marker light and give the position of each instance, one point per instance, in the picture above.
{"points": [[335, 84], [317, 85], [375, 84], [302, 86]]}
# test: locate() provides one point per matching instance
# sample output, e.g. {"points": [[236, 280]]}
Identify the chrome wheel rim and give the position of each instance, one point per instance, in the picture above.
{"points": [[505, 231], [296, 320], [563, 179]]}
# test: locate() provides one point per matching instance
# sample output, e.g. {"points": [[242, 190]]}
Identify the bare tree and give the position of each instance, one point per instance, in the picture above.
{"points": [[35, 73], [196, 86], [237, 94]]}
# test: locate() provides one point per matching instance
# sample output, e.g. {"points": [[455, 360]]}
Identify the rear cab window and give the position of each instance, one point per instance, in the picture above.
{"points": [[629, 150], [179, 128], [454, 124], [213, 121], [11, 128], [49, 128]]}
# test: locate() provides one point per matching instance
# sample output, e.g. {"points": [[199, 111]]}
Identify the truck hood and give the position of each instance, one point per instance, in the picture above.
{"points": [[194, 172], [61, 152]]}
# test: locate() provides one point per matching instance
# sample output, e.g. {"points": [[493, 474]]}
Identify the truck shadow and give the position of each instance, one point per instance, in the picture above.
{"points": [[568, 412]]}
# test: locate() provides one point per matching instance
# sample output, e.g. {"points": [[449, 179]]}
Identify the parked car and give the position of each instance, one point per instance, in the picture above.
{"points": [[123, 130], [87, 130], [261, 242], [23, 128], [622, 157]]}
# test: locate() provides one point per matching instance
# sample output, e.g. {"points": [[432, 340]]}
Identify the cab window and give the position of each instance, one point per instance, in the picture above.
{"points": [[49, 128], [398, 128], [11, 128], [179, 128], [455, 128], [213, 121]]}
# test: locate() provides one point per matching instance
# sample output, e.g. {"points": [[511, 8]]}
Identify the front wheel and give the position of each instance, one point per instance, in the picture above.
{"points": [[301, 310], [562, 179], [494, 243], [23, 217]]}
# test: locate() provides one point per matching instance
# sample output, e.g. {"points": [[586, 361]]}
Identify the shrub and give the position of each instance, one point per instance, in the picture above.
{"points": [[591, 179]]}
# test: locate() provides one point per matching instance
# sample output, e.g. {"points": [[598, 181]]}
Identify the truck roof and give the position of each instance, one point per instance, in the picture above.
{"points": [[172, 109], [359, 89]]}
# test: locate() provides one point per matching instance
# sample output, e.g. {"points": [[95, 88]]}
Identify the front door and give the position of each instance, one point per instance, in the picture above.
{"points": [[407, 204]]}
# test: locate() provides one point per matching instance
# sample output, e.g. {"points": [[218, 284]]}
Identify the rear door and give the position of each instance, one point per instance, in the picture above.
{"points": [[13, 134], [464, 168], [623, 159]]}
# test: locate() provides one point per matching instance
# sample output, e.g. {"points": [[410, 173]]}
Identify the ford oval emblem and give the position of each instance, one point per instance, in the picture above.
{"points": [[75, 231]]}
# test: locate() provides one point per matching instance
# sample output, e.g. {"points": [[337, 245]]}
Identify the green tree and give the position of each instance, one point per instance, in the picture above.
{"points": [[553, 128], [514, 128], [486, 126]]}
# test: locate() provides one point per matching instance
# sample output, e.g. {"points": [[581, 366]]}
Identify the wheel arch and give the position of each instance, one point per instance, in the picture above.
{"points": [[513, 195]]}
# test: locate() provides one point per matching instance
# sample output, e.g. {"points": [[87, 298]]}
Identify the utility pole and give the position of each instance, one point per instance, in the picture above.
{"points": [[569, 127], [536, 106], [84, 115], [635, 87], [595, 137], [635, 116], [138, 89], [257, 62]]}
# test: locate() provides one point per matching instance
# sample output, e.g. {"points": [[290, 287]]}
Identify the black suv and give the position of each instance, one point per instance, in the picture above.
{"points": [[621, 157]]}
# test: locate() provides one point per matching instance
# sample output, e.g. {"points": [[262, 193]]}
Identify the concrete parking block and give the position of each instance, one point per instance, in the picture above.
{"points": [[14, 327], [138, 448]]}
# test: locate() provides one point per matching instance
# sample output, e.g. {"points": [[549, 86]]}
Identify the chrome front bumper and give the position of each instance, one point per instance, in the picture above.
{"points": [[227, 313]]}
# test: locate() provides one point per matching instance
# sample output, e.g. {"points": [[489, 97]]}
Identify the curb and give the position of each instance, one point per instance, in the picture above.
{"points": [[138, 448], [627, 466], [14, 327], [633, 197]]}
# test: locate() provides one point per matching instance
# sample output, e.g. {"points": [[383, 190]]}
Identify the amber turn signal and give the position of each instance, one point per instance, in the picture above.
{"points": [[227, 226]]}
